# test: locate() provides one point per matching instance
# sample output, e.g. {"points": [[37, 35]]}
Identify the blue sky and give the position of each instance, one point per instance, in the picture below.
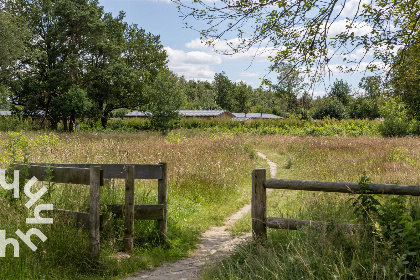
{"points": [[189, 57]]}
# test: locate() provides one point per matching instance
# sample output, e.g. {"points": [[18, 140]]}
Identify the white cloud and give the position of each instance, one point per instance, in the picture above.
{"points": [[194, 57], [193, 65], [350, 68], [253, 55], [355, 67], [249, 74], [358, 28], [196, 44], [359, 54], [225, 49], [351, 8], [380, 66], [328, 69]]}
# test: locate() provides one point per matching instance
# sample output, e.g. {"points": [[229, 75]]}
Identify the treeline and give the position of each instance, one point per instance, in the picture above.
{"points": [[64, 61], [341, 102]]}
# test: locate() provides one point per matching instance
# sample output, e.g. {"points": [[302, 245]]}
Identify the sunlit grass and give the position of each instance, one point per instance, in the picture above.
{"points": [[330, 253], [207, 181], [209, 178]]}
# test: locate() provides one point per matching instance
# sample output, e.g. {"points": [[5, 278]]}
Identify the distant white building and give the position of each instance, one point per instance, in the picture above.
{"points": [[254, 116]]}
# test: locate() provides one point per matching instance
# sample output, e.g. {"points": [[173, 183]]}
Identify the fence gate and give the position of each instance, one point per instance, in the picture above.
{"points": [[93, 175]]}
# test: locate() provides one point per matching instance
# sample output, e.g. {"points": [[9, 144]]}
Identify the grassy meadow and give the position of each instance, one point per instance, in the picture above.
{"points": [[207, 181], [209, 177], [332, 253]]}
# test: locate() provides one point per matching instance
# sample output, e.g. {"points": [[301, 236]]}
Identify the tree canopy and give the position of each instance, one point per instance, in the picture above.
{"points": [[405, 79], [373, 86], [12, 35], [164, 100], [289, 84], [309, 33], [341, 91], [81, 61]]}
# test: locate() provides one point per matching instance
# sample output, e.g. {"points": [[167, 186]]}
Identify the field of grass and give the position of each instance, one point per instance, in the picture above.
{"points": [[332, 253], [209, 178], [207, 181]]}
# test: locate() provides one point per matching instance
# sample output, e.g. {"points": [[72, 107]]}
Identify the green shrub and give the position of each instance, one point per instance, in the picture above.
{"points": [[333, 109], [363, 108], [119, 113], [16, 123], [415, 127], [90, 125], [287, 126], [397, 122], [396, 231], [121, 125]]}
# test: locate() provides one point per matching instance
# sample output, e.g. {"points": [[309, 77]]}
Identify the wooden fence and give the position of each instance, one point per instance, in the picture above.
{"points": [[93, 175], [260, 183]]}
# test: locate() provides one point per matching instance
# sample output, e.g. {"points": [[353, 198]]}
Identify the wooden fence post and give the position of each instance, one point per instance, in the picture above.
{"points": [[129, 209], [162, 189], [258, 205], [94, 219]]}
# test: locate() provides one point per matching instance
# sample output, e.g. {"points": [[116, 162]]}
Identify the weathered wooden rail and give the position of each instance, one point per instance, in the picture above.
{"points": [[93, 175], [260, 183]]}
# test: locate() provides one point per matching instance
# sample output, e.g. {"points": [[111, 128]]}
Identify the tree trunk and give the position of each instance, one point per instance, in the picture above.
{"points": [[53, 124], [104, 120], [71, 124], [65, 127]]}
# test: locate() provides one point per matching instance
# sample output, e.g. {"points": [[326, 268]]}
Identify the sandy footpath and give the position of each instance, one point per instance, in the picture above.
{"points": [[214, 245]]}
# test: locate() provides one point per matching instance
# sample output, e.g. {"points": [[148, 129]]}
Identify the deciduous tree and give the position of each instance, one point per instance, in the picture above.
{"points": [[224, 91], [200, 95], [12, 36], [289, 84], [242, 95], [75, 45], [373, 86], [341, 91], [165, 98]]}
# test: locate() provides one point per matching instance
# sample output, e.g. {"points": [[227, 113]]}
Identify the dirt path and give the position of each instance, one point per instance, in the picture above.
{"points": [[215, 244], [273, 166]]}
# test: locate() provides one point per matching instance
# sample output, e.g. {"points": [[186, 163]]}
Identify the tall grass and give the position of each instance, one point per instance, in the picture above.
{"points": [[207, 180], [331, 253]]}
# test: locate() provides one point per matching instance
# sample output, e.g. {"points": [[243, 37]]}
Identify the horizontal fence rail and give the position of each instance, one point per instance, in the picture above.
{"points": [[141, 212], [80, 219], [260, 183], [63, 175], [93, 175], [342, 187], [116, 171], [292, 224]]}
